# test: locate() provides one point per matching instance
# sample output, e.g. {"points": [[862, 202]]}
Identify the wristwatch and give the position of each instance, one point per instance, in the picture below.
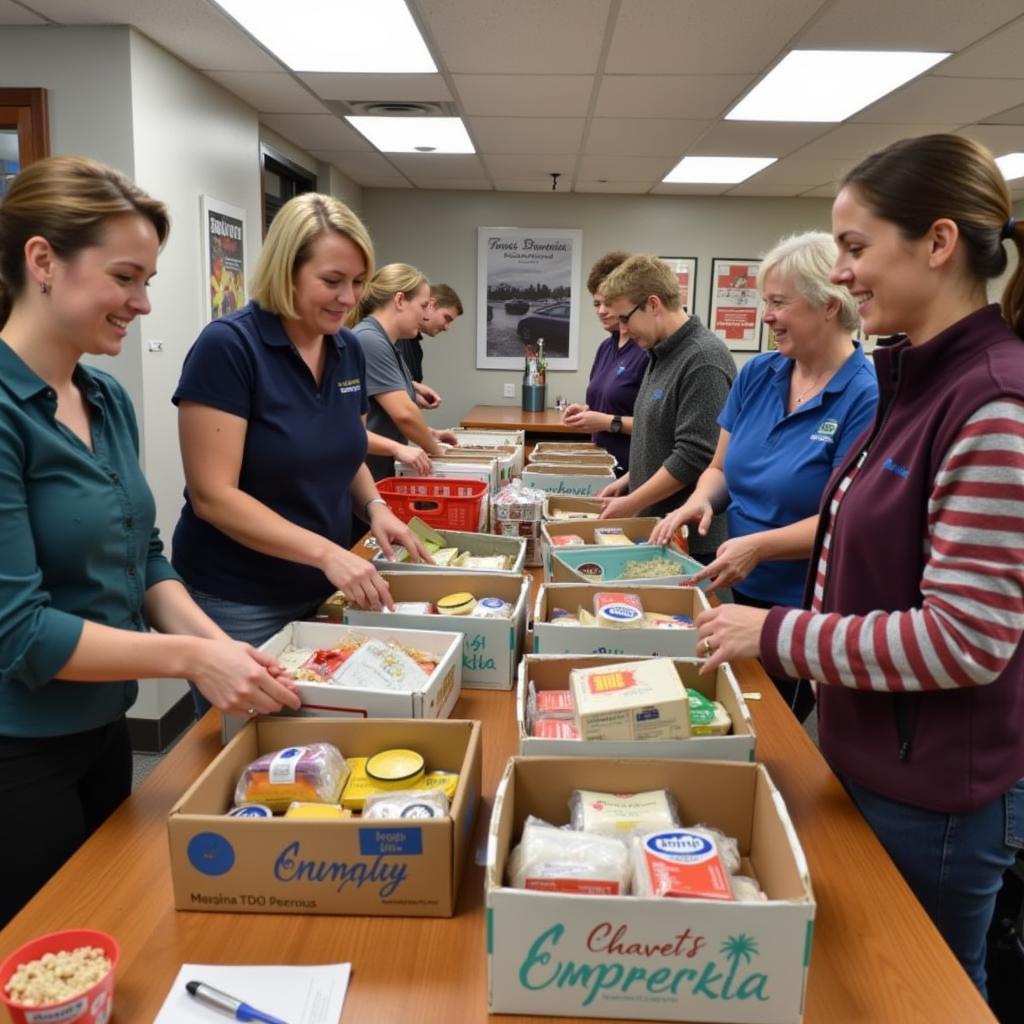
{"points": [[616, 425]]}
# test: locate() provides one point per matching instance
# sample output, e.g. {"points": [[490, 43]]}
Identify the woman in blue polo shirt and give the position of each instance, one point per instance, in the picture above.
{"points": [[272, 408], [789, 419]]}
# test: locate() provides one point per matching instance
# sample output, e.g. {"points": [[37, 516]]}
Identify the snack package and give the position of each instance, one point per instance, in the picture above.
{"points": [[325, 812], [567, 540], [620, 813], [661, 620], [406, 803], [323, 663], [315, 773], [620, 611], [562, 514], [610, 536], [554, 729], [517, 511], [411, 608], [553, 704], [552, 859], [680, 863], [379, 665], [707, 717], [493, 563], [492, 608], [562, 617]]}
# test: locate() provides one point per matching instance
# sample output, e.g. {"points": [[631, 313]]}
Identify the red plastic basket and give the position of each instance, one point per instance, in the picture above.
{"points": [[445, 504]]}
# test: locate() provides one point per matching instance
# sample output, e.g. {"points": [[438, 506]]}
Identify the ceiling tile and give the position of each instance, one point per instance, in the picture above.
{"points": [[385, 88], [703, 36], [1015, 115], [649, 136], [317, 131], [853, 141], [358, 163], [753, 188], [527, 134], [372, 182], [269, 92], [1000, 138], [523, 167], [821, 192], [754, 138], [521, 38], [663, 189], [937, 100], [998, 56], [794, 171], [625, 168], [15, 14], [456, 184], [524, 95], [419, 166], [621, 187], [674, 96], [516, 185]]}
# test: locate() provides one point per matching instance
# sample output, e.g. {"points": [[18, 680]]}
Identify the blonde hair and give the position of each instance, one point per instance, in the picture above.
{"points": [[289, 244], [641, 276], [68, 201], [387, 283], [807, 260]]}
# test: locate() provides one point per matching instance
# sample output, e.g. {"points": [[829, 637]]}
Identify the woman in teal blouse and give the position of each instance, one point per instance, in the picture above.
{"points": [[82, 576]]}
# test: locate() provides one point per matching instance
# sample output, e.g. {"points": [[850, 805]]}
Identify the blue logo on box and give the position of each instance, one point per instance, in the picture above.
{"points": [[394, 842], [211, 854]]}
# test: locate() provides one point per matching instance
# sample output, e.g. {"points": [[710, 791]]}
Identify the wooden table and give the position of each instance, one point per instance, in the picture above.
{"points": [[876, 958], [539, 426]]}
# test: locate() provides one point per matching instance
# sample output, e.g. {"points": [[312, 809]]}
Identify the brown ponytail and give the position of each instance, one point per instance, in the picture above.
{"points": [[1013, 293]]}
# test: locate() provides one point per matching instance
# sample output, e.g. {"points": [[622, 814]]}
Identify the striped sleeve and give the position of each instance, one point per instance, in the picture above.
{"points": [[972, 616]]}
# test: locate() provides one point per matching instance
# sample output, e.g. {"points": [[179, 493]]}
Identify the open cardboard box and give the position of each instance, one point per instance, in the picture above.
{"points": [[288, 866], [490, 647], [582, 481], [654, 959], [584, 507], [551, 672], [569, 565], [549, 638], [637, 529], [475, 543]]}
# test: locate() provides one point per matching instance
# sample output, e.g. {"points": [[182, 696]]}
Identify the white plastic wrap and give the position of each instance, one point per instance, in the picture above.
{"points": [[406, 803], [623, 813]]}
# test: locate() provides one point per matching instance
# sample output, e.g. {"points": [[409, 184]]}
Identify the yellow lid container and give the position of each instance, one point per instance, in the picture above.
{"points": [[462, 603], [395, 769]]}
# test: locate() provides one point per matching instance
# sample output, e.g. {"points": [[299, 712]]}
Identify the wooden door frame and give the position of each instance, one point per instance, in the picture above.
{"points": [[27, 112]]}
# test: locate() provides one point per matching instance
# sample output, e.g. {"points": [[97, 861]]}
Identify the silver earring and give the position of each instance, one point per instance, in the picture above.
{"points": [[44, 287]]}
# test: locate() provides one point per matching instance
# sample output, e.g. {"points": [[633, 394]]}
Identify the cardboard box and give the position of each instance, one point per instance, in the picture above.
{"points": [[599, 458], [288, 866], [584, 507], [509, 457], [549, 638], [566, 565], [474, 543], [570, 447], [654, 959], [491, 648], [551, 672], [636, 529], [582, 481]]}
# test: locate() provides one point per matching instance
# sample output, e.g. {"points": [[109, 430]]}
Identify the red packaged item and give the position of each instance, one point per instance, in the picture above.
{"points": [[680, 863], [555, 729], [555, 704]]}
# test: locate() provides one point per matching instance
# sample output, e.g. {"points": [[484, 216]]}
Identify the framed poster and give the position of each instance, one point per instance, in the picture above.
{"points": [[735, 313], [222, 229], [686, 270], [528, 288]]}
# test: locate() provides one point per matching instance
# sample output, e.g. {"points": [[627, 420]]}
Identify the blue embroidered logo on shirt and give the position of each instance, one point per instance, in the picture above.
{"points": [[659, 393], [621, 369], [895, 467]]}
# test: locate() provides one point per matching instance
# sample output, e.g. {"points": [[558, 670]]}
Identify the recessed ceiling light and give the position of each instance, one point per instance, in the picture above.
{"points": [[415, 134], [1012, 165], [829, 85], [716, 170], [354, 36]]}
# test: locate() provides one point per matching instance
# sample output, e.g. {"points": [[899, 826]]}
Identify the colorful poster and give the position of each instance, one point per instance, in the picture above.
{"points": [[735, 314], [223, 228], [686, 271]]}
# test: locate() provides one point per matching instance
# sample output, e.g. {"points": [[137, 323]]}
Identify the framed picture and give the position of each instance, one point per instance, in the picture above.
{"points": [[686, 270], [528, 289], [767, 338], [735, 312], [222, 230]]}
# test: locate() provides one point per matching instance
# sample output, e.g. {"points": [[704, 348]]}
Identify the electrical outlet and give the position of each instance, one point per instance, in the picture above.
{"points": [[510, 390]]}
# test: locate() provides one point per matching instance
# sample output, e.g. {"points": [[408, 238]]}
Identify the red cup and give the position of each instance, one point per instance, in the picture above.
{"points": [[93, 1006]]}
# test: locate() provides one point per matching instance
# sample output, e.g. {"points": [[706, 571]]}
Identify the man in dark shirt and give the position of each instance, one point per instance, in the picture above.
{"points": [[444, 309]]}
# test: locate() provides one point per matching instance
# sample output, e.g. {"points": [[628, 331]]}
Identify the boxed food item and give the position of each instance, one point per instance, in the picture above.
{"points": [[560, 607], [516, 512], [568, 448], [574, 479], [648, 957], [640, 565], [282, 865], [560, 507], [549, 676], [491, 645], [590, 531], [457, 551], [516, 439]]}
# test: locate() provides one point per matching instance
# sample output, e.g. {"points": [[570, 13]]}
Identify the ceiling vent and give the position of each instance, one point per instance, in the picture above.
{"points": [[392, 108]]}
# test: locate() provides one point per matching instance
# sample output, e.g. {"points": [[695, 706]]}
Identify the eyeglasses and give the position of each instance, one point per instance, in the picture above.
{"points": [[624, 320]]}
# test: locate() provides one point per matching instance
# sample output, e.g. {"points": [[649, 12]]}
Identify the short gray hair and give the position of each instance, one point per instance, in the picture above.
{"points": [[807, 260]]}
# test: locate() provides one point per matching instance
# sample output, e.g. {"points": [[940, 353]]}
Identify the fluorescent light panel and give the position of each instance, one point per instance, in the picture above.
{"points": [[1012, 165], [829, 85], [352, 36], [716, 170], [415, 134]]}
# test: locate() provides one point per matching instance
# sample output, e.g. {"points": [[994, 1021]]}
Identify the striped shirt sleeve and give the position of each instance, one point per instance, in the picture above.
{"points": [[972, 616]]}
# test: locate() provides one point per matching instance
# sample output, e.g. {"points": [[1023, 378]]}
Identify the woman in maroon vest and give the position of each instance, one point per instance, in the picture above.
{"points": [[916, 595]]}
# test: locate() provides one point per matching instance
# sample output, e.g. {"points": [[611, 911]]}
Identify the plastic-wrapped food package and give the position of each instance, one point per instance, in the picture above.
{"points": [[552, 859], [707, 717], [622, 813], [517, 511], [684, 862], [315, 773], [406, 803], [620, 611], [746, 890], [554, 729]]}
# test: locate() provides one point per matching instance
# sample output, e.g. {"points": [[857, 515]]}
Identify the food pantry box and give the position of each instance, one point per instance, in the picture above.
{"points": [[583, 508], [636, 529], [551, 638], [582, 481], [508, 457], [598, 458], [515, 439], [606, 565], [289, 866], [569, 447], [490, 647], [512, 548], [637, 957], [551, 672]]}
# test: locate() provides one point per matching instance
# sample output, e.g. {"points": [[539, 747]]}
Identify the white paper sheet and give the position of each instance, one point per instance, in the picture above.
{"points": [[298, 995]]}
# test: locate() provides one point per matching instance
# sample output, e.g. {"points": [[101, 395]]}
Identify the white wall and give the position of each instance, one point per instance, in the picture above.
{"points": [[437, 232]]}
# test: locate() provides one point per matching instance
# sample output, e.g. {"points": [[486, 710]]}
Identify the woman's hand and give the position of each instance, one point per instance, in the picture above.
{"points": [[570, 412], [693, 509], [734, 560], [583, 418], [238, 679], [728, 632], [356, 578], [446, 437], [388, 529], [614, 489], [415, 458]]}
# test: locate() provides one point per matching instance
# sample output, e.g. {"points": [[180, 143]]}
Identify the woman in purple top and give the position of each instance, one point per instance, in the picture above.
{"points": [[619, 366]]}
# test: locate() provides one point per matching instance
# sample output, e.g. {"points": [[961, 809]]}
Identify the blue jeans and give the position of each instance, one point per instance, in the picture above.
{"points": [[251, 623], [953, 862]]}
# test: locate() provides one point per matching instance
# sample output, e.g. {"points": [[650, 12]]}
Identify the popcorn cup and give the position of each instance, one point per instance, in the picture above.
{"points": [[93, 1006]]}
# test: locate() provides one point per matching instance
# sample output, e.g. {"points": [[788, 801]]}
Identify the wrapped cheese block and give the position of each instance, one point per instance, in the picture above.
{"points": [[620, 611], [315, 773], [680, 863], [619, 813]]}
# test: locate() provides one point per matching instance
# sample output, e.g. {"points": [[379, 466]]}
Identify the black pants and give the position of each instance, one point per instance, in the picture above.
{"points": [[797, 693], [55, 791]]}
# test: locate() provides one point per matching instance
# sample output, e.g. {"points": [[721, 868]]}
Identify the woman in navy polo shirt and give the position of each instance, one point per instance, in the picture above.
{"points": [[618, 368], [790, 418], [272, 407]]}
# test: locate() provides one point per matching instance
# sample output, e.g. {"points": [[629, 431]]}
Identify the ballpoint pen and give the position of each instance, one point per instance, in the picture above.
{"points": [[228, 1004]]}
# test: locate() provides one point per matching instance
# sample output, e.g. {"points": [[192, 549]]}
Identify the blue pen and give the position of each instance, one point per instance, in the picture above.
{"points": [[228, 1004]]}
